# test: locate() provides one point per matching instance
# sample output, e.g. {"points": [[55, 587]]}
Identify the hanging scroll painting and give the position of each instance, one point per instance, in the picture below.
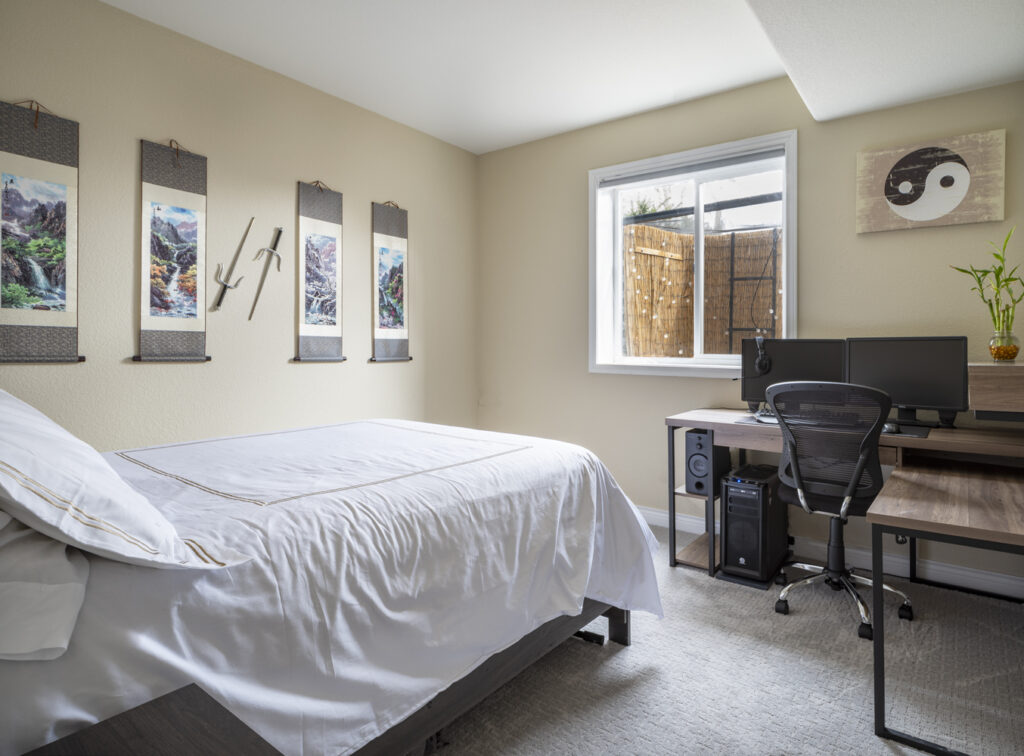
{"points": [[390, 292], [173, 262], [941, 182], [319, 280], [38, 236]]}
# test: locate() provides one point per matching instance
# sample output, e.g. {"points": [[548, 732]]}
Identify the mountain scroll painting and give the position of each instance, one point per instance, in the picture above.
{"points": [[390, 288], [321, 306], [38, 236], [172, 255], [320, 266], [33, 235], [390, 292], [173, 243]]}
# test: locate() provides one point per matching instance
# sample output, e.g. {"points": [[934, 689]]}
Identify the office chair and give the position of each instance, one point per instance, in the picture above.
{"points": [[830, 466]]}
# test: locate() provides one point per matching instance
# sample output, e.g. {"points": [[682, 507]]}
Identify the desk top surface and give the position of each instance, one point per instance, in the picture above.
{"points": [[989, 441], [959, 499]]}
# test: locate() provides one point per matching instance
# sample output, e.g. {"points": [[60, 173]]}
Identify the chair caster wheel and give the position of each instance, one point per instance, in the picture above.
{"points": [[864, 631], [780, 578], [906, 612], [782, 606]]}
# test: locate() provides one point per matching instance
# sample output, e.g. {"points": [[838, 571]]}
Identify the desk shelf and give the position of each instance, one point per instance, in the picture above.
{"points": [[681, 491], [695, 553]]}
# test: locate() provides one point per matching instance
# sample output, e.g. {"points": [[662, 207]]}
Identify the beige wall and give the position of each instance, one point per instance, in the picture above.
{"points": [[533, 306], [498, 273], [124, 79]]}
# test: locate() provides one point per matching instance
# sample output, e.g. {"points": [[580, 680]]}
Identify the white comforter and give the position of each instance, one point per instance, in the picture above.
{"points": [[389, 558]]}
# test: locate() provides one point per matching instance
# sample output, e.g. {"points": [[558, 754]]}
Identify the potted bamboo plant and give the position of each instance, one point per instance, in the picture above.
{"points": [[1000, 289]]}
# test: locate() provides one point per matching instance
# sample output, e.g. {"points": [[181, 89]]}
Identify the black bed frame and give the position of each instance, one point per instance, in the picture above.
{"points": [[411, 735]]}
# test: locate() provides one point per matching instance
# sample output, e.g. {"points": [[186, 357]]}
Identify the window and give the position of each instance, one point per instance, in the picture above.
{"points": [[691, 253]]}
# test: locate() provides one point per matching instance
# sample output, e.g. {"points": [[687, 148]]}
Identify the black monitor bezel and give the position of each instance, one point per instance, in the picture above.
{"points": [[965, 401], [744, 378]]}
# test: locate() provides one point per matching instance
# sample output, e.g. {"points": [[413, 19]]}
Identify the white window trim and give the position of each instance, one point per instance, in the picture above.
{"points": [[603, 270]]}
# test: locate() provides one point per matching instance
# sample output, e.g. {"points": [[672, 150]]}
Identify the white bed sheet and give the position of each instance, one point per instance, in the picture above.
{"points": [[390, 558]]}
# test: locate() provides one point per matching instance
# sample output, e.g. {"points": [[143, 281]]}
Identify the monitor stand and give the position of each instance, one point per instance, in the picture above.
{"points": [[907, 416], [753, 407]]}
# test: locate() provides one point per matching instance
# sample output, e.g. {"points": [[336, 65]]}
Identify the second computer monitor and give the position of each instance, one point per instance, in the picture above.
{"points": [[918, 373], [781, 360]]}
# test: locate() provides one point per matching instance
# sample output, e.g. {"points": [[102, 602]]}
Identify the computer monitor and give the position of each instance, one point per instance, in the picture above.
{"points": [[917, 372], [780, 360]]}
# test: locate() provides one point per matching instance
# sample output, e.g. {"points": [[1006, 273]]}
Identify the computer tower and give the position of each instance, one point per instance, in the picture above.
{"points": [[755, 524], [705, 464]]}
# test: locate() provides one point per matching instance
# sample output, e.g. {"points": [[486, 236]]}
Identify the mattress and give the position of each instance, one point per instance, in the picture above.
{"points": [[388, 559]]}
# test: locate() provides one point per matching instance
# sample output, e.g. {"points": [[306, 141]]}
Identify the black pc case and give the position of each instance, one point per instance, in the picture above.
{"points": [[755, 524]]}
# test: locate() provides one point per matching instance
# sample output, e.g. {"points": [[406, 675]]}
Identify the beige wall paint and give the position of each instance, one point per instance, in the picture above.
{"points": [[124, 79], [534, 255], [498, 275]]}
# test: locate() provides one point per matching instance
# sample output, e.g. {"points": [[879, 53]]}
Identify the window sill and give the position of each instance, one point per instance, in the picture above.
{"points": [[684, 371]]}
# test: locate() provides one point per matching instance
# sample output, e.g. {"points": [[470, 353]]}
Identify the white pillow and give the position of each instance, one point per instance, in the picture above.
{"points": [[42, 585], [62, 487]]}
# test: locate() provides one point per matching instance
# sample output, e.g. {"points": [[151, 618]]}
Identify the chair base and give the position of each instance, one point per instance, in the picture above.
{"points": [[842, 580]]}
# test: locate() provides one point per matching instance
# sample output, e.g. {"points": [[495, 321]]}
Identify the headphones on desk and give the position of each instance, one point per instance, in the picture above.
{"points": [[762, 363]]}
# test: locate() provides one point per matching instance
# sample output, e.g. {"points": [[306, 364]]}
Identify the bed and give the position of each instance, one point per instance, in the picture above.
{"points": [[377, 572]]}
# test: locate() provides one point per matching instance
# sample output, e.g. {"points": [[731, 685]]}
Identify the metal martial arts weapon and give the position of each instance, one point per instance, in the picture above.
{"points": [[271, 254], [224, 285]]}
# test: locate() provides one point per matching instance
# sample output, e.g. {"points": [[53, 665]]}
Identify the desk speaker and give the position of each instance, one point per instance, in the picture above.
{"points": [[704, 464]]}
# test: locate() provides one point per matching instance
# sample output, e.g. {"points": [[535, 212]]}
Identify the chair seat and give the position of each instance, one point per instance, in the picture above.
{"points": [[820, 503]]}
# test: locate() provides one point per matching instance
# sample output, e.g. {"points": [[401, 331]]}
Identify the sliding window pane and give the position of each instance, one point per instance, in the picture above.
{"points": [[742, 259], [657, 270]]}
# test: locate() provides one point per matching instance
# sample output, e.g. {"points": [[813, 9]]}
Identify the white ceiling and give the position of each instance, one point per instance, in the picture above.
{"points": [[488, 74], [853, 56]]}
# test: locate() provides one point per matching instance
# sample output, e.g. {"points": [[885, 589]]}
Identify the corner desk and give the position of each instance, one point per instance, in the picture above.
{"points": [[957, 485], [962, 503]]}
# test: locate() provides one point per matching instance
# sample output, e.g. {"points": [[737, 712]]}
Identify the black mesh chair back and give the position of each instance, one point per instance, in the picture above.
{"points": [[830, 440], [830, 466]]}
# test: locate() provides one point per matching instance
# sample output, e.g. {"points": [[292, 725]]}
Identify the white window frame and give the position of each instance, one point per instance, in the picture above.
{"points": [[606, 238]]}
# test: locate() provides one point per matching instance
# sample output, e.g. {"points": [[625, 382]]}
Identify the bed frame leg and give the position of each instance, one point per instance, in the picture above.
{"points": [[618, 625]]}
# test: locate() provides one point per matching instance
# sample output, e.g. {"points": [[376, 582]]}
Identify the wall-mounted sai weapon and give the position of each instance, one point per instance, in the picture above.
{"points": [[224, 282], [271, 254]]}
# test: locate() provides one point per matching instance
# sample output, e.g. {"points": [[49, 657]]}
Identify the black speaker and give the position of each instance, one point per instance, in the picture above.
{"points": [[755, 524], [704, 464]]}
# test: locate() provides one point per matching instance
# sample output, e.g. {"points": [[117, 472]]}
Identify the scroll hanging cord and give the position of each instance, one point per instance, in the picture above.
{"points": [[321, 185], [34, 105], [177, 147], [392, 203]]}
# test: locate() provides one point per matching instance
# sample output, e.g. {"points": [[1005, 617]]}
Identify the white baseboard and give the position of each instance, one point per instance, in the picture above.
{"points": [[893, 564]]}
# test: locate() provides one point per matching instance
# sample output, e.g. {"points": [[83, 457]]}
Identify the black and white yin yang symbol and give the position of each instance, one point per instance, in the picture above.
{"points": [[927, 184]]}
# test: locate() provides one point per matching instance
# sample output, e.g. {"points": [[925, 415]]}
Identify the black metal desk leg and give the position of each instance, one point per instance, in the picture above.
{"points": [[878, 630], [913, 559], [709, 505], [671, 496]]}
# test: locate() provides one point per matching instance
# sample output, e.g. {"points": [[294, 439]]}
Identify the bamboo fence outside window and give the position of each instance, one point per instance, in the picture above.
{"points": [[741, 287]]}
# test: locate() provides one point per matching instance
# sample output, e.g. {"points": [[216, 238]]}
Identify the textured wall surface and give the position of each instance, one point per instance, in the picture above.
{"points": [[124, 79], [533, 269]]}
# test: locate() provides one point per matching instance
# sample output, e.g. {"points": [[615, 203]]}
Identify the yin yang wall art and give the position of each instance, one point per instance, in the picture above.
{"points": [[938, 183]]}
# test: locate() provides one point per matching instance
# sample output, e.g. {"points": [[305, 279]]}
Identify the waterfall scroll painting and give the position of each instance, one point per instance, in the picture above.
{"points": [[173, 261], [390, 293], [319, 280], [39, 236]]}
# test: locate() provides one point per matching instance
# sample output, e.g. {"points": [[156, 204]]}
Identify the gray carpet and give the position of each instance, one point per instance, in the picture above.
{"points": [[723, 674]]}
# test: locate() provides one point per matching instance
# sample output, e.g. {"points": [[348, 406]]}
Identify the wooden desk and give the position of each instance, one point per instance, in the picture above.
{"points": [[731, 428], [944, 488], [963, 503]]}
